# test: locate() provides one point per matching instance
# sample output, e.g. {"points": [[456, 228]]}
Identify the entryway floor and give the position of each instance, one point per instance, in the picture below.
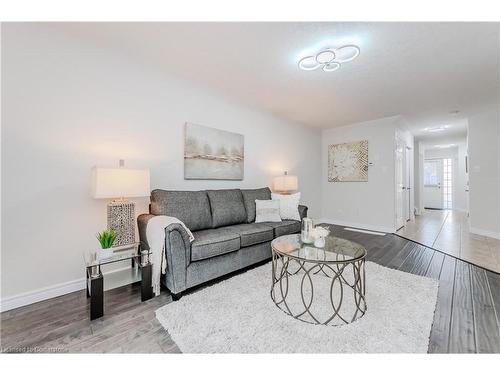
{"points": [[448, 231]]}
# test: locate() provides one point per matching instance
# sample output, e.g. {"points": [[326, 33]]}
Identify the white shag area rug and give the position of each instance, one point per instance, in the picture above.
{"points": [[237, 315]]}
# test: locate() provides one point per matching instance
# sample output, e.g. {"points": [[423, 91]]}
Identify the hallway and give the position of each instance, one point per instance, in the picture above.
{"points": [[448, 231]]}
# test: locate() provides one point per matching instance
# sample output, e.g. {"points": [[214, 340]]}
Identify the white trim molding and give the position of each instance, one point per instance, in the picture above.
{"points": [[486, 233], [42, 294], [375, 228], [365, 231], [49, 292]]}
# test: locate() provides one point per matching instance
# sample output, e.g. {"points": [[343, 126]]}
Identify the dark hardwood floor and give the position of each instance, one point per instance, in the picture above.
{"points": [[466, 319]]}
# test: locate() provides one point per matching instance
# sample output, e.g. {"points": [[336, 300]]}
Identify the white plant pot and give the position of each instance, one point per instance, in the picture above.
{"points": [[105, 253]]}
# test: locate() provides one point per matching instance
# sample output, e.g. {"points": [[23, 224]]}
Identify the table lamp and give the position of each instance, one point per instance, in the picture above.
{"points": [[119, 184], [285, 183]]}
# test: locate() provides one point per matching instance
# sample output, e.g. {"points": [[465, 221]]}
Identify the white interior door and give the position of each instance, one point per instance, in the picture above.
{"points": [[400, 192], [467, 183], [407, 187], [433, 182]]}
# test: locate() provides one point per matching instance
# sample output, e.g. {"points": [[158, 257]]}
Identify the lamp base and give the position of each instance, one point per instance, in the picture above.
{"points": [[121, 219]]}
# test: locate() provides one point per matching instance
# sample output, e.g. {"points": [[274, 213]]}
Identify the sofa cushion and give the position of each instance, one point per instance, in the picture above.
{"points": [[284, 227], [227, 207], [289, 205], [190, 207], [249, 197], [209, 243], [252, 234], [267, 210]]}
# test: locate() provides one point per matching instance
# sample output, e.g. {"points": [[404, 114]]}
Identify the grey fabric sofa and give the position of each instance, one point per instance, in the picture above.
{"points": [[227, 238]]}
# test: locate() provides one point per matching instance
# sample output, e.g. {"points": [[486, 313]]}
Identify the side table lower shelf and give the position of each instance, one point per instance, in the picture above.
{"points": [[97, 285]]}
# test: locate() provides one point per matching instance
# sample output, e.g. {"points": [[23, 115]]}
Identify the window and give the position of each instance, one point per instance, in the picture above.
{"points": [[431, 172]]}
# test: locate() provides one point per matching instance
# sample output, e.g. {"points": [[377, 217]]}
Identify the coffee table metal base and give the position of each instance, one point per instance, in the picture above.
{"points": [[345, 277]]}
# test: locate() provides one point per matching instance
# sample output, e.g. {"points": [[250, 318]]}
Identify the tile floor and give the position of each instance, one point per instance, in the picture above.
{"points": [[448, 231]]}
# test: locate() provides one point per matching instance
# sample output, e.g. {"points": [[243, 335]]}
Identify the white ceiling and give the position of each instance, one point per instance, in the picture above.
{"points": [[454, 126], [418, 70], [438, 141]]}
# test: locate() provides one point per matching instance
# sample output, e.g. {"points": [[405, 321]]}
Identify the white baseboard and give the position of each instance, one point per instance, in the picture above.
{"points": [[486, 233], [376, 228], [38, 295], [42, 294], [365, 231]]}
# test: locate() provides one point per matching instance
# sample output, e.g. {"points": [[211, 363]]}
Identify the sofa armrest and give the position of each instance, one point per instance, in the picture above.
{"points": [[142, 223], [302, 211], [177, 243], [178, 255], [177, 251]]}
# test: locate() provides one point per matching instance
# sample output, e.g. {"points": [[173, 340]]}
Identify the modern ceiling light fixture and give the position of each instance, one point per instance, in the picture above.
{"points": [[330, 59]]}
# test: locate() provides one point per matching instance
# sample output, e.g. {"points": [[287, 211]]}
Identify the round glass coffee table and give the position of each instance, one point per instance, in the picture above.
{"points": [[319, 285]]}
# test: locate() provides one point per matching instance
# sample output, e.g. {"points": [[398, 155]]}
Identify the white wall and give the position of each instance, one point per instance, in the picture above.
{"points": [[369, 204], [484, 174], [69, 106]]}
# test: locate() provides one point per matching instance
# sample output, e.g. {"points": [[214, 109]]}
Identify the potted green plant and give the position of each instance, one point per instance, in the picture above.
{"points": [[106, 239]]}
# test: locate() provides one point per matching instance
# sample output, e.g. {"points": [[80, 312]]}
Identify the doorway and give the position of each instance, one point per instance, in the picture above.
{"points": [[408, 182], [400, 183], [438, 183]]}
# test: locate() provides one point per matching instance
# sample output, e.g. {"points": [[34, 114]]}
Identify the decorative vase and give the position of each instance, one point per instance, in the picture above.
{"points": [[319, 242], [307, 227]]}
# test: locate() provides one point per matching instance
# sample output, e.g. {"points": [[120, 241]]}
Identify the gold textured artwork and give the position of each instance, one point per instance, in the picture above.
{"points": [[348, 162]]}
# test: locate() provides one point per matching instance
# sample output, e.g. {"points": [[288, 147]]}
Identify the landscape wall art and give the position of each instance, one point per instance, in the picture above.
{"points": [[212, 154]]}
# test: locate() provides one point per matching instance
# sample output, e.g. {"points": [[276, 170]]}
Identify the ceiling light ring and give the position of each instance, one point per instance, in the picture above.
{"points": [[329, 70], [347, 46], [305, 67], [325, 52]]}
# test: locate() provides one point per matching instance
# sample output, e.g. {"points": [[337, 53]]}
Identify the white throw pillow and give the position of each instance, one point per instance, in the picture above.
{"points": [[289, 205], [267, 210]]}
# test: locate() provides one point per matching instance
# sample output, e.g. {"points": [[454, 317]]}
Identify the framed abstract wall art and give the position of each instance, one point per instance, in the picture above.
{"points": [[348, 162]]}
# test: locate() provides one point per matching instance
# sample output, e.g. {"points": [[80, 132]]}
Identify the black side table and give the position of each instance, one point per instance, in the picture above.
{"points": [[140, 270]]}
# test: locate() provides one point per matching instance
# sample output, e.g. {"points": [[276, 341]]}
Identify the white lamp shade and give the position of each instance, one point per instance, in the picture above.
{"points": [[120, 182], [285, 183]]}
